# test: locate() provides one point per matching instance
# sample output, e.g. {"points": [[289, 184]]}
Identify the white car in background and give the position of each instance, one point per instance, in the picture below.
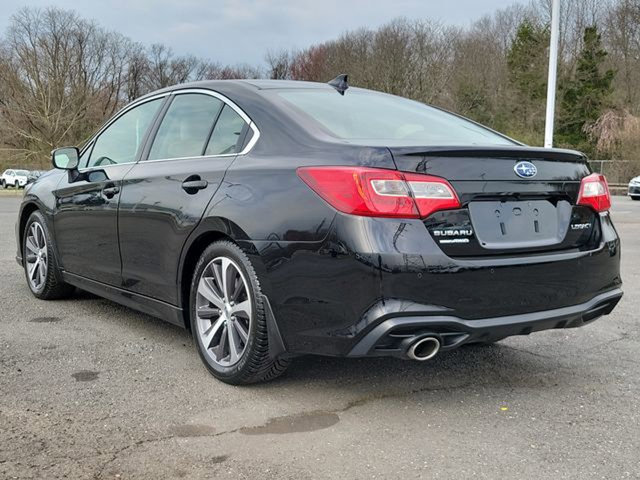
{"points": [[14, 178], [634, 188]]}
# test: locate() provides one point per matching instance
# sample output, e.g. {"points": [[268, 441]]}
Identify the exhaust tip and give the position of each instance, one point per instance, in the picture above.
{"points": [[424, 349]]}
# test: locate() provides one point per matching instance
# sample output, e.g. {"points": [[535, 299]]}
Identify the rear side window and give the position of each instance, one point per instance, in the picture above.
{"points": [[227, 134], [381, 119], [186, 126]]}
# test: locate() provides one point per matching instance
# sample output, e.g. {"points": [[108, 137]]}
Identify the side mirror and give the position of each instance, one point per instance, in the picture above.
{"points": [[66, 158]]}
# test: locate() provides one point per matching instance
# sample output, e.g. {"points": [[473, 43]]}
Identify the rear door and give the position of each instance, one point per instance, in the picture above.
{"points": [[165, 195], [514, 199], [85, 218]]}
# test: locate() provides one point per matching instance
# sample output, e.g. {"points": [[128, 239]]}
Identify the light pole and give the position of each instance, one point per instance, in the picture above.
{"points": [[553, 73]]}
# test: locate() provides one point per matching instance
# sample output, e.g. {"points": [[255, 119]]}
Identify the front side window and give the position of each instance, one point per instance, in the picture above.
{"points": [[226, 136], [378, 118], [121, 141], [186, 127]]}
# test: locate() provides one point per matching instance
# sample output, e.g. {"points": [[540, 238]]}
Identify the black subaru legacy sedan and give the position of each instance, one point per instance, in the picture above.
{"points": [[280, 218]]}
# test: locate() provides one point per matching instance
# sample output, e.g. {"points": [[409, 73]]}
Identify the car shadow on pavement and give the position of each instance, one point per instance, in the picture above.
{"points": [[501, 364], [472, 365]]}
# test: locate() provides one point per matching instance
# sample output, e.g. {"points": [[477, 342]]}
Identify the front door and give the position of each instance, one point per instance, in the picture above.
{"points": [[86, 214]]}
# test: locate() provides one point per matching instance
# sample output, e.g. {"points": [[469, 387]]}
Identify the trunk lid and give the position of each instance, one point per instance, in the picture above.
{"points": [[514, 199]]}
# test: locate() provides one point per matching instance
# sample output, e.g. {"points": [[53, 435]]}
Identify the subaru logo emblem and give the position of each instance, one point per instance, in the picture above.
{"points": [[525, 169]]}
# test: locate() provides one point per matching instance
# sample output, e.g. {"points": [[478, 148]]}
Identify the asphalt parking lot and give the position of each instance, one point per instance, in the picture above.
{"points": [[89, 389]]}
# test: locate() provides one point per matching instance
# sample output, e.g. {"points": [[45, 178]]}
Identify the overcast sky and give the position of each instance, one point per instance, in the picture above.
{"points": [[242, 31]]}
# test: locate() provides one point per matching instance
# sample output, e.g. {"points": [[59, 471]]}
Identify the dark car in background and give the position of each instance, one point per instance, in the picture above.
{"points": [[280, 218], [34, 175], [634, 188]]}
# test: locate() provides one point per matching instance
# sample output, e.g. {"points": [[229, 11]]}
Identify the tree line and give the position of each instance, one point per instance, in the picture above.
{"points": [[62, 75]]}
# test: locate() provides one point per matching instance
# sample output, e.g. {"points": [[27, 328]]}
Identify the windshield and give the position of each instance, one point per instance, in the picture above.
{"points": [[22, 173], [364, 115]]}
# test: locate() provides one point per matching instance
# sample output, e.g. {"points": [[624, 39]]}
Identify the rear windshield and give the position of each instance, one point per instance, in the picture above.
{"points": [[381, 119]]}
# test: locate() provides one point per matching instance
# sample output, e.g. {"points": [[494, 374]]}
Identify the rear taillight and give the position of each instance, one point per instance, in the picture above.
{"points": [[594, 192], [375, 192]]}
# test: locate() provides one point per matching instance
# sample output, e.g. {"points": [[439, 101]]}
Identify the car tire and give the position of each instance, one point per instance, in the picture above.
{"points": [[44, 279], [4, 184], [228, 319], [635, 198]]}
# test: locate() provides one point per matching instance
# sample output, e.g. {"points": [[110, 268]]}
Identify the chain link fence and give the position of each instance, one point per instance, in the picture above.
{"points": [[618, 172]]}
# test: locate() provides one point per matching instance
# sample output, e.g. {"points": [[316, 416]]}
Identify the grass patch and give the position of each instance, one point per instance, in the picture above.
{"points": [[11, 192]]}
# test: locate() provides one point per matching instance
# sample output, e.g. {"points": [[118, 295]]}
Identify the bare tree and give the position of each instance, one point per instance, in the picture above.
{"points": [[279, 64], [64, 73]]}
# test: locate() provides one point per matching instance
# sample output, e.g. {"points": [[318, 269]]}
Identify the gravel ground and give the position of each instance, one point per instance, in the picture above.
{"points": [[90, 389]]}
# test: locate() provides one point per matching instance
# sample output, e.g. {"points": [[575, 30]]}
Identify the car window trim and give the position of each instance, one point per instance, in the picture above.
{"points": [[226, 101], [213, 127]]}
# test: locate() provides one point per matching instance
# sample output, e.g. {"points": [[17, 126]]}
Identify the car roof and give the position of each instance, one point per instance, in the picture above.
{"points": [[258, 84], [274, 84], [250, 84]]}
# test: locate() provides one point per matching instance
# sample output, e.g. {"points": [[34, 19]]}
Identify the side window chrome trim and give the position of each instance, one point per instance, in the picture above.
{"points": [[195, 157], [102, 167], [205, 91]]}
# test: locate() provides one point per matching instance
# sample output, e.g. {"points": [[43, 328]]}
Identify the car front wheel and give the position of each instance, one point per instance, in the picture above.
{"points": [[40, 263], [228, 320]]}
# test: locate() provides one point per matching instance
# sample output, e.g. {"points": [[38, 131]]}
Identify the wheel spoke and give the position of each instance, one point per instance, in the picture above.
{"points": [[31, 246], [217, 271], [242, 307], [227, 270], [207, 336], [42, 272], [32, 270], [233, 347], [240, 330], [206, 289]]}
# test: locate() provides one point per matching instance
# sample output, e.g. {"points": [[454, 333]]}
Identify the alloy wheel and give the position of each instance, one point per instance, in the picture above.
{"points": [[223, 311], [36, 256]]}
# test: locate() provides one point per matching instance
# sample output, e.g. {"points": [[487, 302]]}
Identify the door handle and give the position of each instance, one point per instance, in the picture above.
{"points": [[111, 191], [194, 183]]}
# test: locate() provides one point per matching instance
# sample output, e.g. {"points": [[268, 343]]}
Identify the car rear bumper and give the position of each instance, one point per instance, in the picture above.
{"points": [[397, 331], [326, 296]]}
